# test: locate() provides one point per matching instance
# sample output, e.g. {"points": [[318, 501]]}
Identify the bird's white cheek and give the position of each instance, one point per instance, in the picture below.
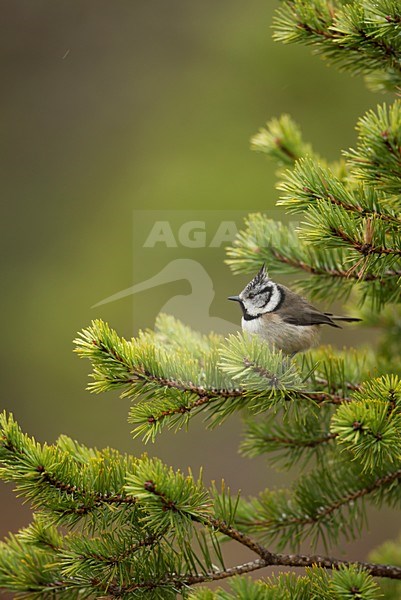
{"points": [[274, 300], [251, 309]]}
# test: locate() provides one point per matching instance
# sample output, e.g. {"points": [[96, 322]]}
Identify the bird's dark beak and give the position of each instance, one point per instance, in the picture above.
{"points": [[234, 298]]}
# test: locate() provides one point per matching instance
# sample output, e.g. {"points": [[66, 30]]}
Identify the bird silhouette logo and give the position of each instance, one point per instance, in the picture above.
{"points": [[193, 309]]}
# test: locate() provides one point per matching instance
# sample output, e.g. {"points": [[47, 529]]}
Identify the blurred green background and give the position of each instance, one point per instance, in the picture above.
{"points": [[111, 107]]}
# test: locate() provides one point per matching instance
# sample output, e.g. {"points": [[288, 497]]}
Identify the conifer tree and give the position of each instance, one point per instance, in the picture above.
{"points": [[107, 525]]}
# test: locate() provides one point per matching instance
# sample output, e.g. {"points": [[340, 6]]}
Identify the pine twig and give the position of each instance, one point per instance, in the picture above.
{"points": [[328, 510], [341, 273]]}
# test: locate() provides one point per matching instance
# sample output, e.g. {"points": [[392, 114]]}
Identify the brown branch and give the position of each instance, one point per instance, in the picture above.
{"points": [[326, 398], [335, 36], [363, 212], [211, 396], [275, 560], [318, 397], [332, 396], [272, 559], [380, 482], [138, 373], [268, 558], [285, 150], [274, 382], [131, 549], [364, 247], [91, 499], [206, 396], [182, 409], [114, 590], [271, 378], [292, 442], [191, 388], [308, 268], [299, 561], [354, 387]]}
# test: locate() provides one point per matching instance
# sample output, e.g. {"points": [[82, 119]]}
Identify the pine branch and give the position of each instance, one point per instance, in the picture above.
{"points": [[297, 443], [309, 183], [388, 552], [317, 503], [254, 377], [281, 140], [370, 427], [56, 482], [323, 271], [335, 270], [177, 583], [348, 499], [316, 583], [167, 583], [267, 241], [365, 248], [351, 36], [268, 558], [288, 441], [373, 248], [292, 560], [168, 501], [376, 159]]}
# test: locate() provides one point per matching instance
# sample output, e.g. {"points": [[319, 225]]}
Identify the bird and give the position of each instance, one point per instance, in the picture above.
{"points": [[281, 317]]}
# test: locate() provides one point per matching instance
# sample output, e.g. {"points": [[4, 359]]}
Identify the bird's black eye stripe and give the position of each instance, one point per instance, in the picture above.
{"points": [[265, 290]]}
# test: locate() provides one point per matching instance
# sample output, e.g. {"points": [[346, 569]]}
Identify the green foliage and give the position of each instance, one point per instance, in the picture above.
{"points": [[171, 503], [361, 37], [345, 584], [386, 326], [285, 440], [282, 141], [322, 505], [376, 160], [278, 246], [389, 553], [350, 231], [109, 525], [276, 588], [134, 522], [230, 375], [370, 426]]}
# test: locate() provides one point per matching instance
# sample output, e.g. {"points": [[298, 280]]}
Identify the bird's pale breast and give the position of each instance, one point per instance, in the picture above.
{"points": [[285, 336]]}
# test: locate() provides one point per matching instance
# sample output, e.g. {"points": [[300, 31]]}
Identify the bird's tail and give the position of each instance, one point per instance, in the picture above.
{"points": [[347, 319]]}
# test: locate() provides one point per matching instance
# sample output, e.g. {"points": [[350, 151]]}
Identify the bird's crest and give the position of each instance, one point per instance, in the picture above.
{"points": [[260, 277], [261, 274]]}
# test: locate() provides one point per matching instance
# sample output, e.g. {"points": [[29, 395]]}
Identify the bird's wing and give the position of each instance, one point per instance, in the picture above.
{"points": [[295, 310], [309, 318]]}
